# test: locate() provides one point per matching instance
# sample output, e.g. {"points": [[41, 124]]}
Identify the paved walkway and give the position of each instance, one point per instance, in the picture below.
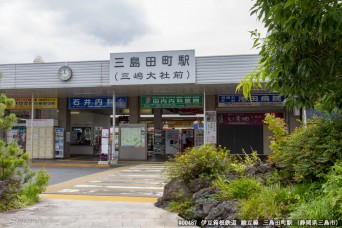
{"points": [[120, 197], [88, 213], [143, 180]]}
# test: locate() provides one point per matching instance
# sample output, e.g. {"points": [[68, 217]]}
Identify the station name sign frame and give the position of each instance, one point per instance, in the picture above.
{"points": [[256, 100], [171, 101], [39, 103], [161, 67]]}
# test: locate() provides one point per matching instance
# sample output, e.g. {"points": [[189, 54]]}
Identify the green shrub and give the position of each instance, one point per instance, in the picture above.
{"points": [[239, 164], [239, 168], [14, 171], [15, 175], [206, 161], [321, 201], [16, 183], [309, 152], [305, 192], [30, 192], [333, 188], [317, 208], [184, 209], [241, 188], [251, 159], [270, 202]]}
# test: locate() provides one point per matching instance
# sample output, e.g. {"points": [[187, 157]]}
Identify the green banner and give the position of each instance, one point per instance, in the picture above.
{"points": [[171, 101]]}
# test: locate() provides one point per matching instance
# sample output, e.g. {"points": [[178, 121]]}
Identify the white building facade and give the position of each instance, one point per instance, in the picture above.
{"points": [[163, 90]]}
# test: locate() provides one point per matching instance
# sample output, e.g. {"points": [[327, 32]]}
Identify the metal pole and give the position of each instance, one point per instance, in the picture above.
{"points": [[112, 157], [32, 118], [205, 119]]}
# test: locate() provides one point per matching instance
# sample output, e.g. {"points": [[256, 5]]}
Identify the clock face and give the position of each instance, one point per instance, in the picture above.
{"points": [[64, 73]]}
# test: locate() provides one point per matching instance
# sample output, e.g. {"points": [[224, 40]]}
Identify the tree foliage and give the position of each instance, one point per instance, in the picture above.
{"points": [[301, 55], [18, 184], [309, 152]]}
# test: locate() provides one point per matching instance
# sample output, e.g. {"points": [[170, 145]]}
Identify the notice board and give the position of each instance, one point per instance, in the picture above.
{"points": [[133, 142]]}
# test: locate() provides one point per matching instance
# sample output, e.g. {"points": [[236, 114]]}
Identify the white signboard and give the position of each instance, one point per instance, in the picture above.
{"points": [[162, 67], [210, 127], [104, 143], [42, 123]]}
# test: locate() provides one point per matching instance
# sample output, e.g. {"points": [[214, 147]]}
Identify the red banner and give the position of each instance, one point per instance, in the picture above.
{"points": [[243, 118]]}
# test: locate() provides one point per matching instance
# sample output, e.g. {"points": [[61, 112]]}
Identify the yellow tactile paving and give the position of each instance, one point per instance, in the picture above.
{"points": [[100, 198], [69, 165]]}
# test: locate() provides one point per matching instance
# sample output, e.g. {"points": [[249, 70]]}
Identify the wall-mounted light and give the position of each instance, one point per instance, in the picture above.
{"points": [[74, 112]]}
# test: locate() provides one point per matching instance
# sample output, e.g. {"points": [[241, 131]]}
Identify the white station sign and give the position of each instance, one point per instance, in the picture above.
{"points": [[162, 67]]}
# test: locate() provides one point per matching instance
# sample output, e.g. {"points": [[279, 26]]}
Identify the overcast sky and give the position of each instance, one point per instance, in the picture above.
{"points": [[77, 30]]}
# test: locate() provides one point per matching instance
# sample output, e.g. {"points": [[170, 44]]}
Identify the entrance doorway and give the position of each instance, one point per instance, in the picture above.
{"points": [[238, 137]]}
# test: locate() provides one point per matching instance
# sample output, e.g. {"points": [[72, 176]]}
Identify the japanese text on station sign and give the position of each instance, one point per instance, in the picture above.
{"points": [[169, 67]]}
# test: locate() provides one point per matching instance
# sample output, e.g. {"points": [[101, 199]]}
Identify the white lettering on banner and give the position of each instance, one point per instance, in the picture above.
{"points": [[98, 102], [109, 101], [276, 98], [163, 67], [255, 100], [76, 101], [87, 102], [265, 98]]}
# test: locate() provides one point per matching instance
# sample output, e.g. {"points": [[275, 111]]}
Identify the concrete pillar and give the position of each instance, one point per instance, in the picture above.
{"points": [[64, 121], [210, 104], [158, 120], [134, 110], [267, 142]]}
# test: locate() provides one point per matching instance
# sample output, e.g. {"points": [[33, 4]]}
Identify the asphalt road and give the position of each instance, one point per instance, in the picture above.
{"points": [[60, 174]]}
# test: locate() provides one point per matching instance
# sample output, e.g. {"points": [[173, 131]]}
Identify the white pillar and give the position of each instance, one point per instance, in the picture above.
{"points": [[205, 120], [304, 116], [32, 118], [112, 157]]}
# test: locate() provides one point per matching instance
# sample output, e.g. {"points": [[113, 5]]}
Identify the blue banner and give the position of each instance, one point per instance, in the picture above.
{"points": [[99, 102], [256, 100]]}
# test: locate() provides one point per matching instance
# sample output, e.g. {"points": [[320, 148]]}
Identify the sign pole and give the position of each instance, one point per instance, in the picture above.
{"points": [[205, 119], [304, 116]]}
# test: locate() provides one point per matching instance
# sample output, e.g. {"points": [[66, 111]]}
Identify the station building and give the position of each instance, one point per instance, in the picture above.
{"points": [[165, 101]]}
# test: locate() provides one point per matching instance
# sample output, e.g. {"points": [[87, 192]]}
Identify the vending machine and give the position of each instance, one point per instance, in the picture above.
{"points": [[159, 142], [172, 141], [199, 137], [59, 142]]}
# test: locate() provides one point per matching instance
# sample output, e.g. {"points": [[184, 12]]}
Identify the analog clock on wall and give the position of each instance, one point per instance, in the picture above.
{"points": [[64, 73]]}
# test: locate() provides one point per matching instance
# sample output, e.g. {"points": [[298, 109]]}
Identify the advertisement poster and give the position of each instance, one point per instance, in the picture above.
{"points": [[104, 144], [59, 142], [133, 137], [210, 127], [18, 135]]}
